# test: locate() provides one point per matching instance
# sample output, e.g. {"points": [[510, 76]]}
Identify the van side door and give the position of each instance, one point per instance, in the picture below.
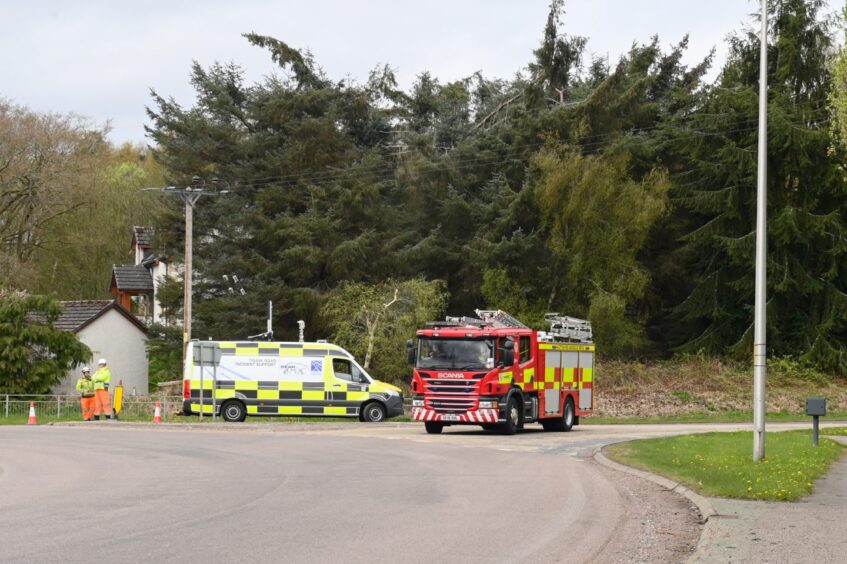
{"points": [[348, 387]]}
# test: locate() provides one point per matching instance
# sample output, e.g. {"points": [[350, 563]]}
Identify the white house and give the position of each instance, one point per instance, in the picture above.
{"points": [[113, 333], [136, 286]]}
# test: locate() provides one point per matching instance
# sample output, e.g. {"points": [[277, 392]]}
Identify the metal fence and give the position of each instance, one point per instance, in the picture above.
{"points": [[67, 407]]}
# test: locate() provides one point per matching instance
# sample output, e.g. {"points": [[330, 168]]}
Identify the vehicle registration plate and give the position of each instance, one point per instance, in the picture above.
{"points": [[449, 417]]}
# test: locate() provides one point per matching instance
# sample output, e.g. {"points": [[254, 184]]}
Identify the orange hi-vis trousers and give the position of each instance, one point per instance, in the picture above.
{"points": [[102, 402], [87, 408]]}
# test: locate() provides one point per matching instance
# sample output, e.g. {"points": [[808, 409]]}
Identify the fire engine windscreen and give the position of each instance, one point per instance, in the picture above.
{"points": [[455, 354]]}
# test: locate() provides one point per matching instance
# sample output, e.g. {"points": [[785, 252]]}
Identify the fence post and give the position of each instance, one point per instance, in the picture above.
{"points": [[166, 406], [58, 406], [7, 406]]}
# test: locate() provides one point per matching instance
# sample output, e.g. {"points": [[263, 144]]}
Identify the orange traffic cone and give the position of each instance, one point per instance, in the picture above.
{"points": [[31, 420], [157, 416]]}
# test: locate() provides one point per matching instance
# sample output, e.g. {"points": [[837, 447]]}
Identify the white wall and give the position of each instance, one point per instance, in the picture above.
{"points": [[160, 273], [113, 337]]}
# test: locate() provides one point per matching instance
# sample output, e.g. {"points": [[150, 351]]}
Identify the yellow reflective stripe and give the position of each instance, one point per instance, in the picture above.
{"points": [[335, 411], [563, 347], [290, 410], [358, 396], [505, 377], [568, 375], [245, 351], [312, 395], [587, 374], [267, 394]]}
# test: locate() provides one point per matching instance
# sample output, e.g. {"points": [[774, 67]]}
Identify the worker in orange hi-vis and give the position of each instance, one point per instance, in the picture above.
{"points": [[102, 402], [85, 387]]}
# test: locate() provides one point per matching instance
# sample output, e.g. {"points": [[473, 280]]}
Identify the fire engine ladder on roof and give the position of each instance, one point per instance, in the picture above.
{"points": [[465, 321], [499, 318], [569, 328]]}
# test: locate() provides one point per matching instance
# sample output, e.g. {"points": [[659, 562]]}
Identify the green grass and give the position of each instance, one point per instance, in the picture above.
{"points": [[710, 417], [721, 464], [43, 420], [839, 431]]}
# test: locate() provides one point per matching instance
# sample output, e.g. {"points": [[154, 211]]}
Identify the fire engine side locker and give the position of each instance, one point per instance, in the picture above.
{"points": [[565, 370], [586, 380]]}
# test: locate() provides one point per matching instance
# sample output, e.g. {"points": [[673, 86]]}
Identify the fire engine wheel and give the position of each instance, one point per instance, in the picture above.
{"points": [[373, 412], [489, 427], [233, 411], [513, 418], [568, 418], [433, 427], [563, 423]]}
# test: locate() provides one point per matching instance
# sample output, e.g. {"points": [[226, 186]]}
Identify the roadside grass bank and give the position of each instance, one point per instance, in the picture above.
{"points": [[721, 464], [715, 417], [696, 387], [19, 420]]}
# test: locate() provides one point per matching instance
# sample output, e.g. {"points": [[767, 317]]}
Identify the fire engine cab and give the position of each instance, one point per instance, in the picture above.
{"points": [[494, 371]]}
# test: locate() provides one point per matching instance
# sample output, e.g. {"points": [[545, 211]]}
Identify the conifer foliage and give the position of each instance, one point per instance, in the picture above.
{"points": [[622, 191], [806, 199]]}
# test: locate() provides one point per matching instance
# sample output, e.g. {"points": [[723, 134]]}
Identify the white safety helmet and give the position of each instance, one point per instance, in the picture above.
{"points": [[101, 361], [86, 369]]}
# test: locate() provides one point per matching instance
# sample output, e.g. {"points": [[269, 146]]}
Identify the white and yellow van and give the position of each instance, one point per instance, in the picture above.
{"points": [[244, 378]]}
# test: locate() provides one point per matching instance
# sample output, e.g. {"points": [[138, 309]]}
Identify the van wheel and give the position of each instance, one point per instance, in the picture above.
{"points": [[233, 411], [433, 427], [374, 412]]}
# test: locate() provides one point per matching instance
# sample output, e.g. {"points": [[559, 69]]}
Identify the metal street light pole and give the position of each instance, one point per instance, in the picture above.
{"points": [[760, 323]]}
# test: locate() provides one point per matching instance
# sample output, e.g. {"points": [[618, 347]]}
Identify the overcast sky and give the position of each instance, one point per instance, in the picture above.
{"points": [[100, 58]]}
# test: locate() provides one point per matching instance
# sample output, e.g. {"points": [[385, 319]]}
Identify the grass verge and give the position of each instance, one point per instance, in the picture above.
{"points": [[43, 420], [721, 464], [712, 417]]}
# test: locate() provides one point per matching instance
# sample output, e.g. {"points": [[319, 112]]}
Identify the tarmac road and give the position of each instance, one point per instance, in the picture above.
{"points": [[307, 493]]}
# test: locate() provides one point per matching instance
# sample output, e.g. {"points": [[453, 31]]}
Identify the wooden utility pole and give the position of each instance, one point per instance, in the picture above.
{"points": [[190, 195], [186, 297]]}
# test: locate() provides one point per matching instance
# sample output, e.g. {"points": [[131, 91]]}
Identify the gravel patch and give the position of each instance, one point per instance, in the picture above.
{"points": [[660, 525]]}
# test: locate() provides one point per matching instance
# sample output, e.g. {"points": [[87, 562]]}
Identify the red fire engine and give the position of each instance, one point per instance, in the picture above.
{"points": [[496, 372]]}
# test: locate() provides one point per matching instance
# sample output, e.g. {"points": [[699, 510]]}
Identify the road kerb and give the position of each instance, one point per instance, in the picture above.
{"points": [[704, 506]]}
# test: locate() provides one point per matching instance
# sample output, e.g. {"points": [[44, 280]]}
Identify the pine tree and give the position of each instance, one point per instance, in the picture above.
{"points": [[806, 199]]}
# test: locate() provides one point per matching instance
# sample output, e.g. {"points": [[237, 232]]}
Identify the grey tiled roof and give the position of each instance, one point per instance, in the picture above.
{"points": [[132, 277], [76, 314], [143, 236]]}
